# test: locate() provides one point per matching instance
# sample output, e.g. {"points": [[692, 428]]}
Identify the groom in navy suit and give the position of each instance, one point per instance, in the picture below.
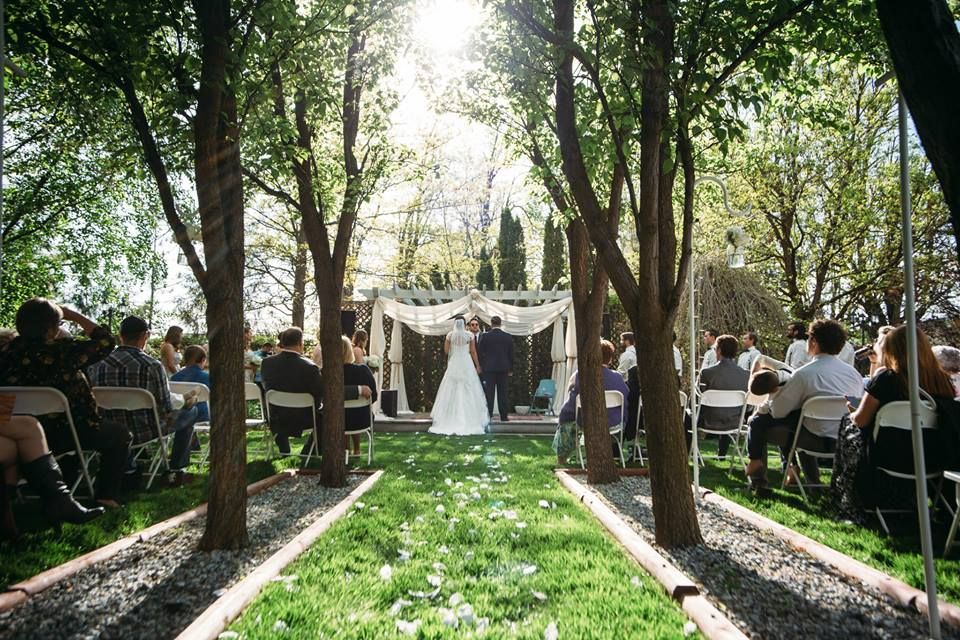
{"points": [[495, 351]]}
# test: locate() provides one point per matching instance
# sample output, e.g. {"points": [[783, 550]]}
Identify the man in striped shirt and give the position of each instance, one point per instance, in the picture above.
{"points": [[129, 366]]}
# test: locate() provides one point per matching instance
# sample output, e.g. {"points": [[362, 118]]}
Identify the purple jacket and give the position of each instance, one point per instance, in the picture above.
{"points": [[612, 381]]}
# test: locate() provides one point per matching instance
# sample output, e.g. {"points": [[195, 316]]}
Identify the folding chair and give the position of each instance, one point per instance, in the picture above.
{"points": [[637, 448], [135, 399], [289, 400], [832, 408], [42, 401], [356, 404], [203, 395], [954, 477], [896, 415], [253, 393], [717, 398], [546, 390], [611, 399]]}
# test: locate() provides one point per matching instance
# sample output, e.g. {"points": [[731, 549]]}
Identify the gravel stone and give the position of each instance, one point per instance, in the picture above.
{"points": [[765, 587], [155, 589]]}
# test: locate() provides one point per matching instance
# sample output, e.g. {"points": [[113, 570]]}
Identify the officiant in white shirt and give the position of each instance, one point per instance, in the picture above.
{"points": [[629, 356]]}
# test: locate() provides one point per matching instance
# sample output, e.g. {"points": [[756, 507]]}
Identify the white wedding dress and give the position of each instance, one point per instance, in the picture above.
{"points": [[461, 406]]}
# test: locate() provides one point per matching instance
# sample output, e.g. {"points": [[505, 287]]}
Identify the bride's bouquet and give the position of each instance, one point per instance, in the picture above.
{"points": [[373, 362]]}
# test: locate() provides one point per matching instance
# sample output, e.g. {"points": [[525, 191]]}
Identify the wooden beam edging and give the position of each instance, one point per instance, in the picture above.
{"points": [[712, 623], [900, 591], [18, 593], [214, 620]]}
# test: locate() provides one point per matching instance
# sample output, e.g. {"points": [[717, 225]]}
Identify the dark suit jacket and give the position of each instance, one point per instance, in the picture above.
{"points": [[291, 372], [495, 351], [359, 374], [723, 376]]}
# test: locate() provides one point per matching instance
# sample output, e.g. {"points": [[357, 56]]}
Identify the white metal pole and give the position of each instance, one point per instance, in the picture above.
{"points": [[3, 78], [919, 466], [694, 441]]}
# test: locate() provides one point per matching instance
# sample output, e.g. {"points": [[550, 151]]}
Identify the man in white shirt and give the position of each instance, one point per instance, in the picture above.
{"points": [[751, 353], [710, 351], [797, 355], [677, 358], [629, 356], [776, 421]]}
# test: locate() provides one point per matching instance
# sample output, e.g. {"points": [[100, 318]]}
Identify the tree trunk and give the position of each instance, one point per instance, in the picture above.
{"points": [[925, 48], [220, 198], [333, 470], [588, 306], [298, 315]]}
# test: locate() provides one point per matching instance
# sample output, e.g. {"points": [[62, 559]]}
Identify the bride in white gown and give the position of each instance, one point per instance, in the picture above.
{"points": [[461, 406]]}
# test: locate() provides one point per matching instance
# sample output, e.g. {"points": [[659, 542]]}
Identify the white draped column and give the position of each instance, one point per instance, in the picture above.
{"points": [[558, 355], [571, 345], [378, 343], [396, 368]]}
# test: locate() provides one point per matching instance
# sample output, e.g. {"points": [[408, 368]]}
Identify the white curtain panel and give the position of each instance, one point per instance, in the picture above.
{"points": [[396, 368]]}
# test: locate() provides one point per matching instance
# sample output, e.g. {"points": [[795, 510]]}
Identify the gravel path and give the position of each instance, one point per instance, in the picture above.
{"points": [[156, 588], [765, 587]]}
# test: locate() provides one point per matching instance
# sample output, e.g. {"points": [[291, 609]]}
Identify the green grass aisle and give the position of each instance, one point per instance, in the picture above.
{"points": [[898, 555], [43, 547], [482, 526]]}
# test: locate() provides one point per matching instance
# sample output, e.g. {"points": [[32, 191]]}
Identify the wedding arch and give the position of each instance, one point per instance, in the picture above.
{"points": [[431, 313]]}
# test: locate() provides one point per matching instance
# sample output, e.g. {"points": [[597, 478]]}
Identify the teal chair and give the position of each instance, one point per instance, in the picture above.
{"points": [[545, 393]]}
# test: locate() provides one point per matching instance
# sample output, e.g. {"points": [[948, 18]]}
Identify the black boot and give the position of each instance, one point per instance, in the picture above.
{"points": [[8, 526], [45, 478]]}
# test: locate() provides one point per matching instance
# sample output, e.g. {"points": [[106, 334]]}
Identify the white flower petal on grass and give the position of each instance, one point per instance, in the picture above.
{"points": [[551, 632], [438, 494], [448, 617], [455, 599], [359, 505], [424, 595], [404, 526], [279, 626], [469, 555], [435, 581], [465, 612], [228, 635], [408, 628], [418, 519], [403, 555], [374, 508], [398, 606], [689, 628], [444, 549], [539, 595], [440, 508], [439, 567], [482, 625], [510, 514], [447, 481], [386, 573], [521, 525], [635, 581], [528, 569]]}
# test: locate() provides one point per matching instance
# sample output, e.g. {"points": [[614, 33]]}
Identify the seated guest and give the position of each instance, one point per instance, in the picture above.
{"points": [[129, 366], [723, 376], [628, 358], [564, 442], [776, 421], [750, 351], [36, 359], [856, 483], [949, 359], [357, 374], [22, 441], [194, 370], [290, 371], [170, 355]]}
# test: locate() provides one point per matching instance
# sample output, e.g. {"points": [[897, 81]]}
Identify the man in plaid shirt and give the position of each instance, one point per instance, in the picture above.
{"points": [[129, 366]]}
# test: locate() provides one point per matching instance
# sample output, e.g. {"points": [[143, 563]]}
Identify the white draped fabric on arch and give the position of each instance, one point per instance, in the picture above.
{"points": [[437, 320]]}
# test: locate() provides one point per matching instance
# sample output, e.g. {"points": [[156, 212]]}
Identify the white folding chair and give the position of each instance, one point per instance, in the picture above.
{"points": [[718, 398], [136, 399], [357, 404], [253, 393], [203, 395], [42, 401], [612, 399], [896, 415], [637, 450], [832, 408], [289, 400], [954, 477]]}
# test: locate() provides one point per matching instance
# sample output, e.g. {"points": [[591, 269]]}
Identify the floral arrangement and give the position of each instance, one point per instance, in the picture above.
{"points": [[373, 362], [737, 237]]}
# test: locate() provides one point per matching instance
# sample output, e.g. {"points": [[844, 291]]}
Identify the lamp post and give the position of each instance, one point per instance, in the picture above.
{"points": [[736, 262]]}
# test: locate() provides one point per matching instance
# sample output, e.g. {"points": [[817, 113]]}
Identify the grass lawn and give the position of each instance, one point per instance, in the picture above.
{"points": [[42, 547], [898, 555], [518, 565]]}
